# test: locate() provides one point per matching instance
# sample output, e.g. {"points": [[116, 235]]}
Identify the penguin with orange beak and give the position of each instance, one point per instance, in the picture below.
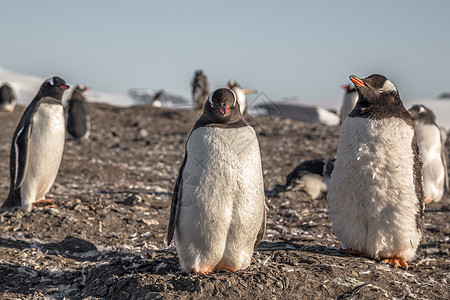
{"points": [[376, 193], [218, 204]]}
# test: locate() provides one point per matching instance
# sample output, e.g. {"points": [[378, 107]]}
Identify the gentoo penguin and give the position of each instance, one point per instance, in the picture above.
{"points": [[156, 101], [7, 98], [78, 121], [200, 88], [218, 203], [431, 141], [240, 94], [311, 176], [37, 147], [349, 102], [376, 193]]}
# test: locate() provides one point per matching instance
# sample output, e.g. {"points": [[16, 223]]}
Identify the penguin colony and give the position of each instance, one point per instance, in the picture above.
{"points": [[218, 211]]}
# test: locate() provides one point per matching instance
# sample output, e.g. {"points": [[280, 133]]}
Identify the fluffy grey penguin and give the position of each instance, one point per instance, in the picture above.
{"points": [[431, 140], [311, 176], [376, 193], [240, 94], [200, 88], [78, 120], [7, 98], [349, 102], [37, 147], [218, 203]]}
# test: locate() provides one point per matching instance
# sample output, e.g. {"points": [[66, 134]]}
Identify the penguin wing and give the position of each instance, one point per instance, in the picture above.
{"points": [[21, 151], [444, 156], [262, 229], [176, 197]]}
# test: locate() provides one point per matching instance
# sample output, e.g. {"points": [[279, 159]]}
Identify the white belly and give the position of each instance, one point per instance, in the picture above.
{"points": [[373, 204], [45, 152], [222, 202], [430, 147]]}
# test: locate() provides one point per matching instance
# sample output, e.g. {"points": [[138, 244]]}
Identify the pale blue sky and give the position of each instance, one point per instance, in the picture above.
{"points": [[284, 48]]}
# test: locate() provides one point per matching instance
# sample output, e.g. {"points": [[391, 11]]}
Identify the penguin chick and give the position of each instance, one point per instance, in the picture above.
{"points": [[376, 192], [218, 203], [37, 147], [7, 98]]}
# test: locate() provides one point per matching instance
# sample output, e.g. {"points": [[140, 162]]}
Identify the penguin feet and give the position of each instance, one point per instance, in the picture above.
{"points": [[351, 252], [397, 261], [204, 271], [428, 201], [44, 203]]}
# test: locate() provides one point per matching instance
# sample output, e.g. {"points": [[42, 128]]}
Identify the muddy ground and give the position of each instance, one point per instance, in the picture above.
{"points": [[106, 237]]}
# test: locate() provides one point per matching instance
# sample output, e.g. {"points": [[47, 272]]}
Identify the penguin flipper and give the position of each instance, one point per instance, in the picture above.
{"points": [[21, 152], [176, 197], [262, 229]]}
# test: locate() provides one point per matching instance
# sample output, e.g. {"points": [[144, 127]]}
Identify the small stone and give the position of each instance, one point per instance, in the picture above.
{"points": [[208, 287]]}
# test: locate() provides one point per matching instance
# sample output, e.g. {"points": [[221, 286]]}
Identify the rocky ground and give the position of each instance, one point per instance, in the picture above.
{"points": [[106, 239]]}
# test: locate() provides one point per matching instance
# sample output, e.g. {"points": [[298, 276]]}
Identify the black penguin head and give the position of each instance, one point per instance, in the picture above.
{"points": [[53, 87], [349, 88], [222, 106], [231, 84], [375, 89], [422, 114]]}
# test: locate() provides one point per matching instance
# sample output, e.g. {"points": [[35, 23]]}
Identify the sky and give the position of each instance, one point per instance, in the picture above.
{"points": [[304, 49]]}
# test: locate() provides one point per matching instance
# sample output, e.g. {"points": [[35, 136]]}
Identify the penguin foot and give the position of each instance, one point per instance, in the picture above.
{"points": [[397, 261], [428, 201], [44, 203], [202, 272], [351, 252], [223, 266]]}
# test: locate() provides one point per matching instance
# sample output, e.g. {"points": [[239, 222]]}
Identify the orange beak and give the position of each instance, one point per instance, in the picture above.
{"points": [[224, 110], [357, 81], [64, 87]]}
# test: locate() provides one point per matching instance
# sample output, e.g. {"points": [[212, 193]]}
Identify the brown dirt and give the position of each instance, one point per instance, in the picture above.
{"points": [[106, 237]]}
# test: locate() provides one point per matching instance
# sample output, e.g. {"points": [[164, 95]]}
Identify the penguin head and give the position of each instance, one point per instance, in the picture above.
{"points": [[81, 88], [375, 89], [222, 106], [422, 113], [53, 87], [232, 83], [349, 88]]}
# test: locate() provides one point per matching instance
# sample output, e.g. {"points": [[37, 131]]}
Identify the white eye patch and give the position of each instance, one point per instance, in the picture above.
{"points": [[50, 80], [388, 86], [422, 110]]}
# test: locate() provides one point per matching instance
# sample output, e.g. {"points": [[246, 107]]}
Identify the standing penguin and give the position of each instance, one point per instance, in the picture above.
{"points": [[218, 204], [240, 94], [349, 102], [375, 192], [431, 141], [37, 147], [200, 88], [7, 98], [78, 121]]}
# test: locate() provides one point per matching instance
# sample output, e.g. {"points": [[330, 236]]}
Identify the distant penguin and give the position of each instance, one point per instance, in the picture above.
{"points": [[431, 141], [311, 176], [37, 147], [156, 101], [7, 98], [78, 120], [218, 203], [376, 193], [349, 102], [200, 88], [240, 94]]}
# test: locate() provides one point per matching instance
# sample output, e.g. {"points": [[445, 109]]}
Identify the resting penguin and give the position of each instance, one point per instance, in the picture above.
{"points": [[218, 205], [376, 193], [37, 147], [240, 94], [432, 150], [311, 176], [78, 121], [349, 102], [7, 98]]}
